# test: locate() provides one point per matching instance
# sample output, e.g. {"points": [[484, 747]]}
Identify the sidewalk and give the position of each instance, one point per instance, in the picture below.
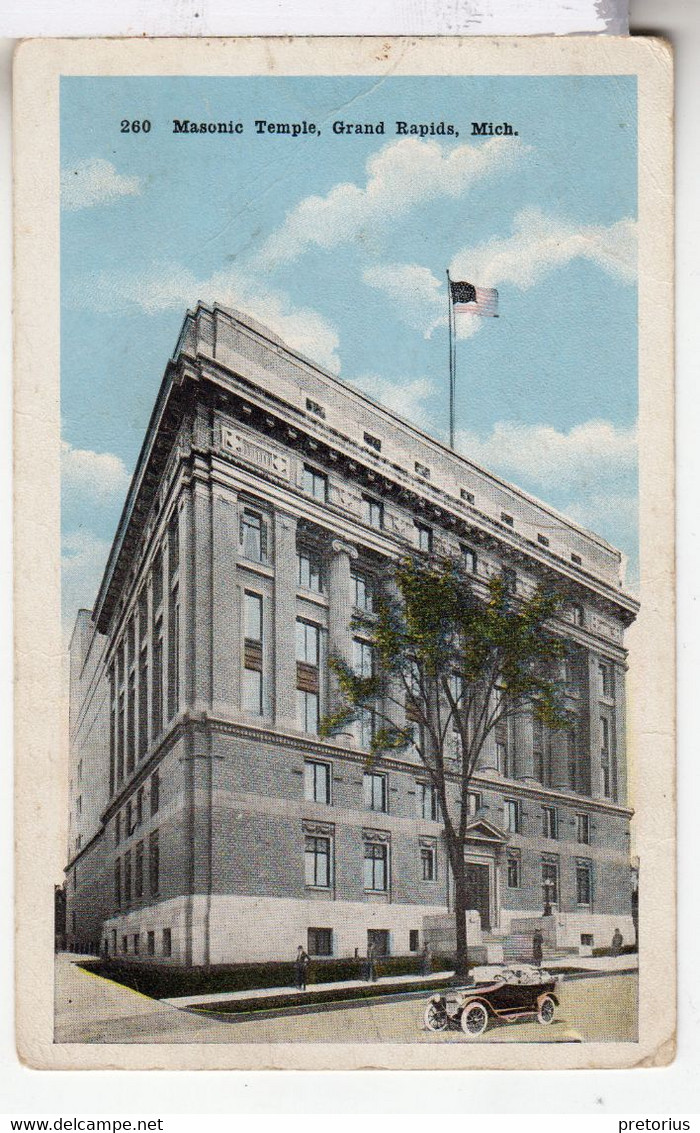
{"points": [[263, 993]]}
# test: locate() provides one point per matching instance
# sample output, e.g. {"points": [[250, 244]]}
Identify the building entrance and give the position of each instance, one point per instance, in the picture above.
{"points": [[478, 892]]}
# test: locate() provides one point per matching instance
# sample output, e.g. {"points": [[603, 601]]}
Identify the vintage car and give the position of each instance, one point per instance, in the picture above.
{"points": [[508, 993]]}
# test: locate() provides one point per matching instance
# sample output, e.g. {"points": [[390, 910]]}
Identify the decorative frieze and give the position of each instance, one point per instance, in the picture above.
{"points": [[262, 456]]}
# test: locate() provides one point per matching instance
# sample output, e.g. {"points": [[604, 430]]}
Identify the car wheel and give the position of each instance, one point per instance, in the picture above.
{"points": [[545, 1011], [435, 1017], [475, 1019]]}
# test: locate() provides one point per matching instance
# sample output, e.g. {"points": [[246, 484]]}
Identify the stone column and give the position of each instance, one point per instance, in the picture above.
{"points": [[226, 632], [285, 590], [559, 748], [202, 595], [618, 754], [340, 603], [594, 727], [523, 743]]}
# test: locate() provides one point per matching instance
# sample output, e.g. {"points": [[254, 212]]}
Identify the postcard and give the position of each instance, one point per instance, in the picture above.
{"points": [[344, 543]]}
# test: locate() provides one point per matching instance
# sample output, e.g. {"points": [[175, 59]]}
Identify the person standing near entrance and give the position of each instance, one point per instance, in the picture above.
{"points": [[537, 942], [301, 963], [371, 967], [426, 960]]}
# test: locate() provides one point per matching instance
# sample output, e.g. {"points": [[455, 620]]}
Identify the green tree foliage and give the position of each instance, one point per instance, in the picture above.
{"points": [[448, 660]]}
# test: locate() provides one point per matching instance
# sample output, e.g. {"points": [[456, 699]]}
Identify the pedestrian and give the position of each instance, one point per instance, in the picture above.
{"points": [[426, 960], [616, 946], [371, 969], [537, 942], [301, 963]]}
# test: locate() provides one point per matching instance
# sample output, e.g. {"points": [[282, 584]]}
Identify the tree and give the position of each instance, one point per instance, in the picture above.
{"points": [[448, 660]]}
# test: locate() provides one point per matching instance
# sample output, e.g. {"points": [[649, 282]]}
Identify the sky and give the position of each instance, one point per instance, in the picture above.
{"points": [[340, 243]]}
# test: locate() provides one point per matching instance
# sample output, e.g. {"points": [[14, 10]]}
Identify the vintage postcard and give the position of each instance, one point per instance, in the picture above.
{"points": [[345, 628]]}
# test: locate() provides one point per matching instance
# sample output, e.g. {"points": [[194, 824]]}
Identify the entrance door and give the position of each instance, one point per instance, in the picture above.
{"points": [[478, 892], [379, 937]]}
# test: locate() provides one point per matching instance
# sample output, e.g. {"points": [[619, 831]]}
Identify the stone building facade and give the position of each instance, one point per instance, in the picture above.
{"points": [[209, 821]]}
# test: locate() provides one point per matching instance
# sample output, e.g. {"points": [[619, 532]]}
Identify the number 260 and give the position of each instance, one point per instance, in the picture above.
{"points": [[136, 127]]}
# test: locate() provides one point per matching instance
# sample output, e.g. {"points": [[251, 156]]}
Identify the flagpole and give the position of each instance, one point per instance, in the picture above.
{"points": [[450, 322]]}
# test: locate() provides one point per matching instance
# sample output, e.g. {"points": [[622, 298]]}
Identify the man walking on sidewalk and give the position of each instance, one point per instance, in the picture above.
{"points": [[301, 963]]}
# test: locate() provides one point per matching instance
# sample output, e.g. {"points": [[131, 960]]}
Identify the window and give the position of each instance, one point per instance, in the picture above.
{"points": [[510, 580], [315, 483], [362, 657], [605, 684], [378, 940], [374, 791], [513, 866], [577, 616], [167, 942], [605, 756], [501, 756], [174, 653], [473, 803], [157, 578], [151, 943], [315, 408], [118, 884], [587, 939], [137, 943], [468, 497], [143, 701], [79, 805], [117, 829], [138, 870], [422, 470], [572, 758], [317, 782], [317, 861], [576, 559], [253, 536], [131, 724], [511, 813], [549, 822], [253, 654], [154, 863], [319, 942], [507, 519], [538, 749], [127, 877], [310, 570], [543, 540], [373, 512], [583, 829], [550, 882], [308, 638], [373, 442], [120, 737], [363, 597], [125, 944], [80, 770], [469, 560], [155, 793], [376, 861], [128, 822], [429, 802], [425, 537], [139, 806], [157, 691], [413, 940], [428, 861], [583, 882]]}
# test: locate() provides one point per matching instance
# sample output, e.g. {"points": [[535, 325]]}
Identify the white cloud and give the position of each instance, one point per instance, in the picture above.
{"points": [[95, 182], [409, 399], [100, 475], [537, 246], [171, 287], [540, 243], [400, 176], [83, 560], [591, 454]]}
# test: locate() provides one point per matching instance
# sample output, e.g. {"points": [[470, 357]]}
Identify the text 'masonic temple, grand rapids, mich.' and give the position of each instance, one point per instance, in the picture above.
{"points": [[210, 823]]}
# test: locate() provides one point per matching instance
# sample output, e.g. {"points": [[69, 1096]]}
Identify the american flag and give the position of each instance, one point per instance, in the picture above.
{"points": [[470, 300]]}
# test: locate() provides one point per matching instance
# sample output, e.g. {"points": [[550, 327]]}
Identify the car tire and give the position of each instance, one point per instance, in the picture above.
{"points": [[435, 1017], [475, 1019], [545, 1010]]}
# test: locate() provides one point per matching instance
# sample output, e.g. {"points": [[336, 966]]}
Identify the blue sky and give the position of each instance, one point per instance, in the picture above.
{"points": [[340, 244]]}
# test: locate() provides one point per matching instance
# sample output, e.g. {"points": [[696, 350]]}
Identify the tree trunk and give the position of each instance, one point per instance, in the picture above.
{"points": [[461, 957]]}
